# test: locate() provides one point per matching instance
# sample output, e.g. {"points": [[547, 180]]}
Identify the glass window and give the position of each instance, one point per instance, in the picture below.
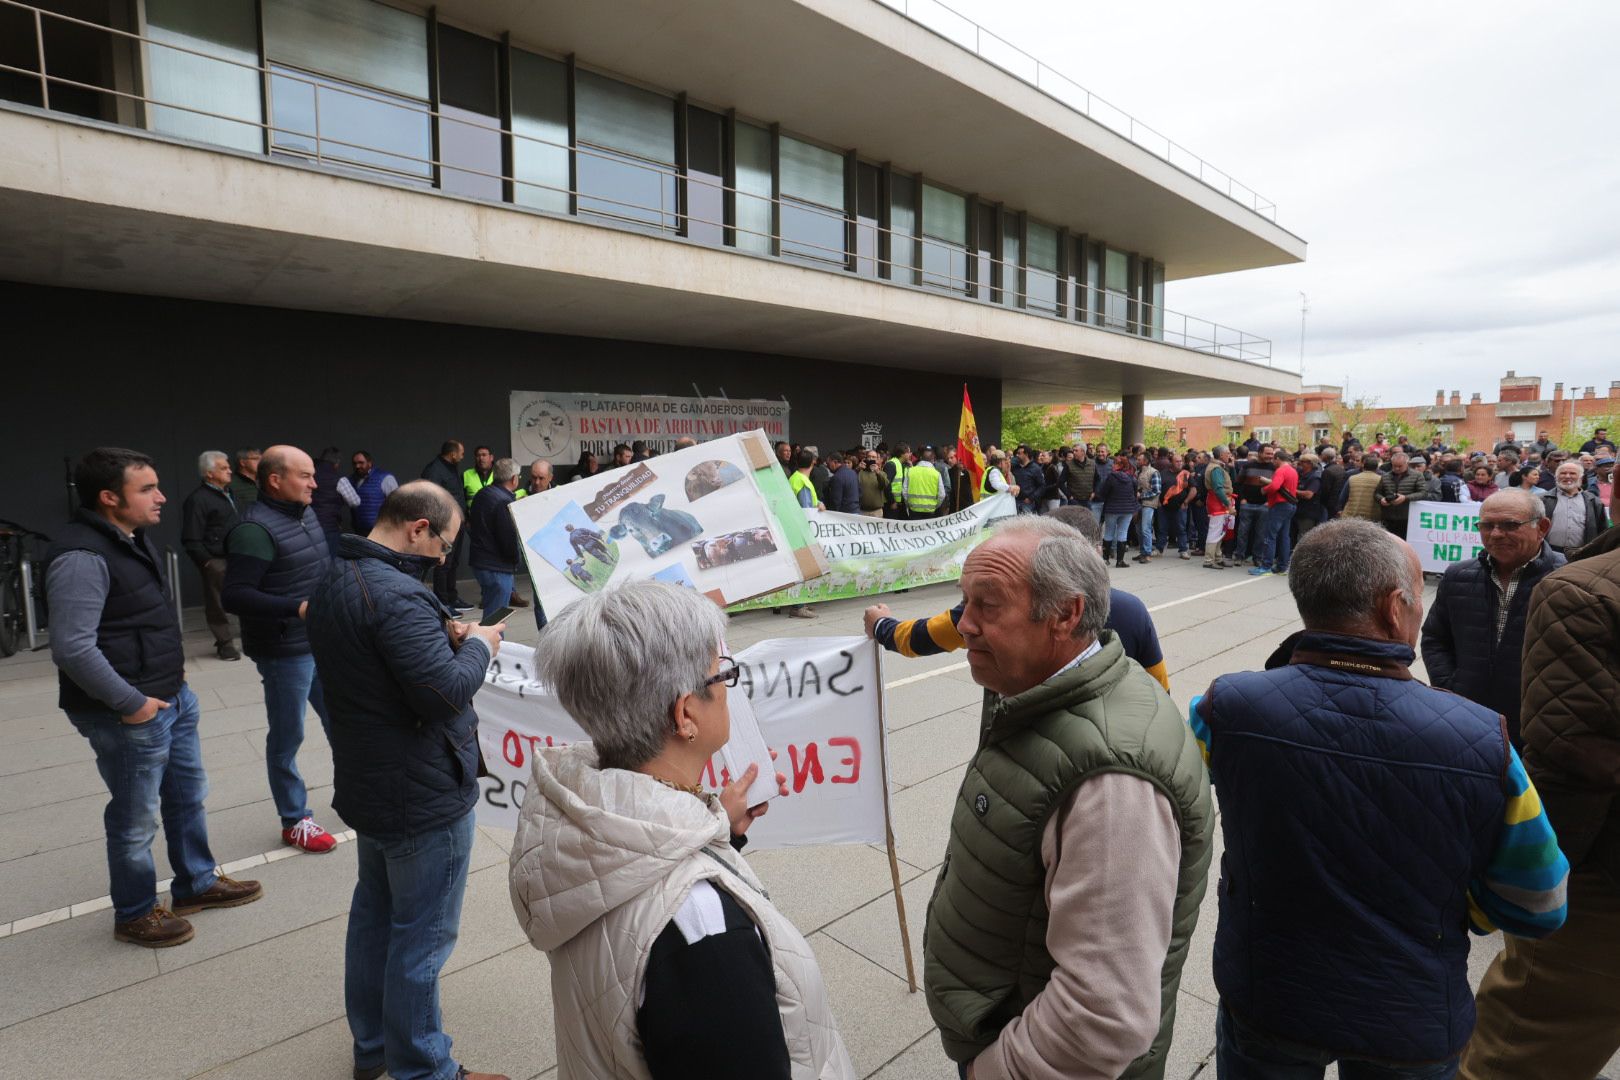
{"points": [[811, 181], [705, 176], [228, 29], [539, 132], [987, 245], [353, 41], [1012, 275], [868, 217], [902, 228], [1156, 319], [625, 164], [753, 189], [470, 121], [944, 226], [1116, 286], [357, 126], [1094, 293], [1042, 277]]}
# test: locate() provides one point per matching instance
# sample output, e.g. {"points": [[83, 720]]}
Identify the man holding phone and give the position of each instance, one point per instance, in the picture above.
{"points": [[402, 674]]}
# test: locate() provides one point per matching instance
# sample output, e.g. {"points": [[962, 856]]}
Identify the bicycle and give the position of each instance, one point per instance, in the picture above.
{"points": [[15, 543]]}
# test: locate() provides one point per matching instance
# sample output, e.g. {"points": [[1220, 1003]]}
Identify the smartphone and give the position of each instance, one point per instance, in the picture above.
{"points": [[495, 618]]}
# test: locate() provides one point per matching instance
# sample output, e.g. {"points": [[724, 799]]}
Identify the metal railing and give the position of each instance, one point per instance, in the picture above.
{"points": [[963, 32], [985, 279]]}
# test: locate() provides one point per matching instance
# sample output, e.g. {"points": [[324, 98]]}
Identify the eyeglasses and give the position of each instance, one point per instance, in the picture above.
{"points": [[443, 543], [1501, 526], [727, 675]]}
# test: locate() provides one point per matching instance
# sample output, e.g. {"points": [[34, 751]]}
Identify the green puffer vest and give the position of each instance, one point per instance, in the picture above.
{"points": [[984, 948]]}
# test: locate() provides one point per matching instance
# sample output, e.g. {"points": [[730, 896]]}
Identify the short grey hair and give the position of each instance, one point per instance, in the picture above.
{"points": [[505, 468], [206, 460], [619, 659], [1399, 456], [1064, 565], [1341, 571], [1329, 454], [1529, 500]]}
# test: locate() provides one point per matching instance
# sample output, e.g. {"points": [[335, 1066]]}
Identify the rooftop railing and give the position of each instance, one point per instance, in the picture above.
{"points": [[823, 238], [962, 31]]}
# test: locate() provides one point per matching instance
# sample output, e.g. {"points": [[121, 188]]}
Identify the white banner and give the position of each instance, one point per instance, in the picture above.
{"points": [[820, 706], [559, 425], [1443, 533], [868, 556]]}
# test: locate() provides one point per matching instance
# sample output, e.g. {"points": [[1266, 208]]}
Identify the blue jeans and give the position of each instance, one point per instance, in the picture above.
{"points": [[1096, 511], [290, 683], [1147, 529], [495, 589], [1276, 537], [150, 769], [1250, 515], [1116, 527], [403, 923], [1242, 1053], [1180, 521]]}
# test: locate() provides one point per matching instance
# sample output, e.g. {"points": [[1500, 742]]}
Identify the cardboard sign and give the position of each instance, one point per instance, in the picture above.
{"points": [[559, 425], [1443, 534], [819, 703], [719, 518]]}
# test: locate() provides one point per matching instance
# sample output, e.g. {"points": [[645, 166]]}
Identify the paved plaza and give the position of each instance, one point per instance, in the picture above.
{"points": [[258, 992]]}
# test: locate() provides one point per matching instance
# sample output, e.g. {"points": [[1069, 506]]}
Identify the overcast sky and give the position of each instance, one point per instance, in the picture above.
{"points": [[1455, 169]]}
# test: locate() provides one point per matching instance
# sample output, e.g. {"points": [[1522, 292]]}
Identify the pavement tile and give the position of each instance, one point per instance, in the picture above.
{"points": [[873, 929], [813, 886], [324, 1052], [64, 963], [922, 818], [941, 744], [1193, 1045], [876, 1014], [935, 696]]}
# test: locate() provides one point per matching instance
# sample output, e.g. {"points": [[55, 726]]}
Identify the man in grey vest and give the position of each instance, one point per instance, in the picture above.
{"points": [[1080, 841]]}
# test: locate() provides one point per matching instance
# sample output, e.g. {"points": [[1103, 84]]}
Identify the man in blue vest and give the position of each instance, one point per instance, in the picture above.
{"points": [[371, 486], [1371, 822], [122, 681], [276, 555]]}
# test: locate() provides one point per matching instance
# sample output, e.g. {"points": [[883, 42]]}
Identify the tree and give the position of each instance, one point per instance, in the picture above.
{"points": [[1157, 430], [1037, 427], [1361, 418], [1571, 436]]}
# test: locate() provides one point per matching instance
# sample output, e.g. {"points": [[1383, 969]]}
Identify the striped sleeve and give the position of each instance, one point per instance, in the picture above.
{"points": [[1524, 889], [1200, 730], [921, 637]]}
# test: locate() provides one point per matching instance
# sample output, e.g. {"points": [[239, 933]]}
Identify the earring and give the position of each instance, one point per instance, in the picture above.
{"points": [[691, 736]]}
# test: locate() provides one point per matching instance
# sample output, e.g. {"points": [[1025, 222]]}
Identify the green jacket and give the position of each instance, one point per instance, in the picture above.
{"points": [[984, 949]]}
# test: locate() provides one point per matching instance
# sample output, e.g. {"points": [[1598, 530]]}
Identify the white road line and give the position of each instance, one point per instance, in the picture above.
{"points": [[101, 903], [1209, 592]]}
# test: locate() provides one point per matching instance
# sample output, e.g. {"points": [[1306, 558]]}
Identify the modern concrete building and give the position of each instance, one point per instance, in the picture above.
{"points": [[348, 222]]}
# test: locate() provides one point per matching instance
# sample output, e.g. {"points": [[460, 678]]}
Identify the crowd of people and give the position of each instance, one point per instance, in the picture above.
{"points": [[1370, 821]]}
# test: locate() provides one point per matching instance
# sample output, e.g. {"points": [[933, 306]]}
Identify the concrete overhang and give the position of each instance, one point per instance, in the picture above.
{"points": [[84, 205], [857, 74]]}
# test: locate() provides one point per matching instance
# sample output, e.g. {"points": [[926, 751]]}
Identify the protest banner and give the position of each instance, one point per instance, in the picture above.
{"points": [[1443, 534], [719, 518], [559, 425], [818, 702], [867, 556]]}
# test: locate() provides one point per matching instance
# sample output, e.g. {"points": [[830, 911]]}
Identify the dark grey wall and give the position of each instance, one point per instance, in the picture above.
{"points": [[175, 377]]}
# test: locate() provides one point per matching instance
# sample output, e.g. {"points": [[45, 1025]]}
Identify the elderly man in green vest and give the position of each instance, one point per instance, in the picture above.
{"points": [[1080, 841]]}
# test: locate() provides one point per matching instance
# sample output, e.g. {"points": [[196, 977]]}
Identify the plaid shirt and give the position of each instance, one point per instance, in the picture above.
{"points": [[1504, 594]]}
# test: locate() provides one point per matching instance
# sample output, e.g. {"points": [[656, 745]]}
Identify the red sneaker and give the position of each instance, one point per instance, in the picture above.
{"points": [[309, 836]]}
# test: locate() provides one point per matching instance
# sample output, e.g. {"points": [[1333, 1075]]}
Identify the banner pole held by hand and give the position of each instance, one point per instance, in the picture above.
{"points": [[888, 829]]}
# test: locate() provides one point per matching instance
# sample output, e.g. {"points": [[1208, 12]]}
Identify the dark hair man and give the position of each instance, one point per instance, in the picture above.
{"points": [[275, 556], [843, 489], [332, 494], [371, 485], [494, 550], [477, 478], [1598, 441], [122, 682], [1474, 635], [208, 515], [244, 486], [1249, 483], [1086, 795], [622, 456], [445, 470], [1343, 931], [405, 766], [784, 454]]}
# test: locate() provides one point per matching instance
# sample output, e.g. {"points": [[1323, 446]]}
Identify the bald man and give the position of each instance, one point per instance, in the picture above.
{"points": [[275, 557]]}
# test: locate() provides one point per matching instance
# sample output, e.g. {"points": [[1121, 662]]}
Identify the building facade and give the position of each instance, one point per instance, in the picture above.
{"points": [[364, 224]]}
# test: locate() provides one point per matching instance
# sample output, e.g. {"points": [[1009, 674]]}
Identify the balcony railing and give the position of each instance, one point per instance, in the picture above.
{"points": [[906, 260], [962, 31]]}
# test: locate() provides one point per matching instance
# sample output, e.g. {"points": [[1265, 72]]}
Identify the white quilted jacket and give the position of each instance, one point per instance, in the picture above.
{"points": [[602, 861]]}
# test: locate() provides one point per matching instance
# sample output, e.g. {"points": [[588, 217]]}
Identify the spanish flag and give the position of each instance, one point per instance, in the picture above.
{"points": [[968, 453]]}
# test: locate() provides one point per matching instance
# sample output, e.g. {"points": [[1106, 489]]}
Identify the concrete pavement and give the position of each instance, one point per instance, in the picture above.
{"points": [[258, 992]]}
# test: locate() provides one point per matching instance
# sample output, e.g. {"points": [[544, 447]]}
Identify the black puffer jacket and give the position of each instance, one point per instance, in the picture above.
{"points": [[404, 733], [494, 544], [1460, 650]]}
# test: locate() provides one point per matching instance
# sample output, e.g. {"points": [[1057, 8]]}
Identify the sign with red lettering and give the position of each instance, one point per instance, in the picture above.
{"points": [[819, 702], [559, 425]]}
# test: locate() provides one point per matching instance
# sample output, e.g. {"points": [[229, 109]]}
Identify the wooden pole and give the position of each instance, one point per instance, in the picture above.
{"points": [[888, 823]]}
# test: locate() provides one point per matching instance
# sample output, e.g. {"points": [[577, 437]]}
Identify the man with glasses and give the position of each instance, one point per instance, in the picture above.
{"points": [[1474, 634], [401, 675]]}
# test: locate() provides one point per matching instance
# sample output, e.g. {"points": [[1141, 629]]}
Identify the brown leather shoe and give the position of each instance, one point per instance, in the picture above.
{"points": [[518, 601], [157, 929], [226, 892], [463, 1074]]}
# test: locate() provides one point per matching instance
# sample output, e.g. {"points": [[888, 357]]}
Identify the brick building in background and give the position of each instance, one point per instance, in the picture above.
{"points": [[1320, 412]]}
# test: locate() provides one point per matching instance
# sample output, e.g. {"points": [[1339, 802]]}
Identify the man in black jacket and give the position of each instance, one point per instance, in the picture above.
{"points": [[1576, 514], [1473, 636], [405, 771], [445, 470], [208, 514], [493, 551]]}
